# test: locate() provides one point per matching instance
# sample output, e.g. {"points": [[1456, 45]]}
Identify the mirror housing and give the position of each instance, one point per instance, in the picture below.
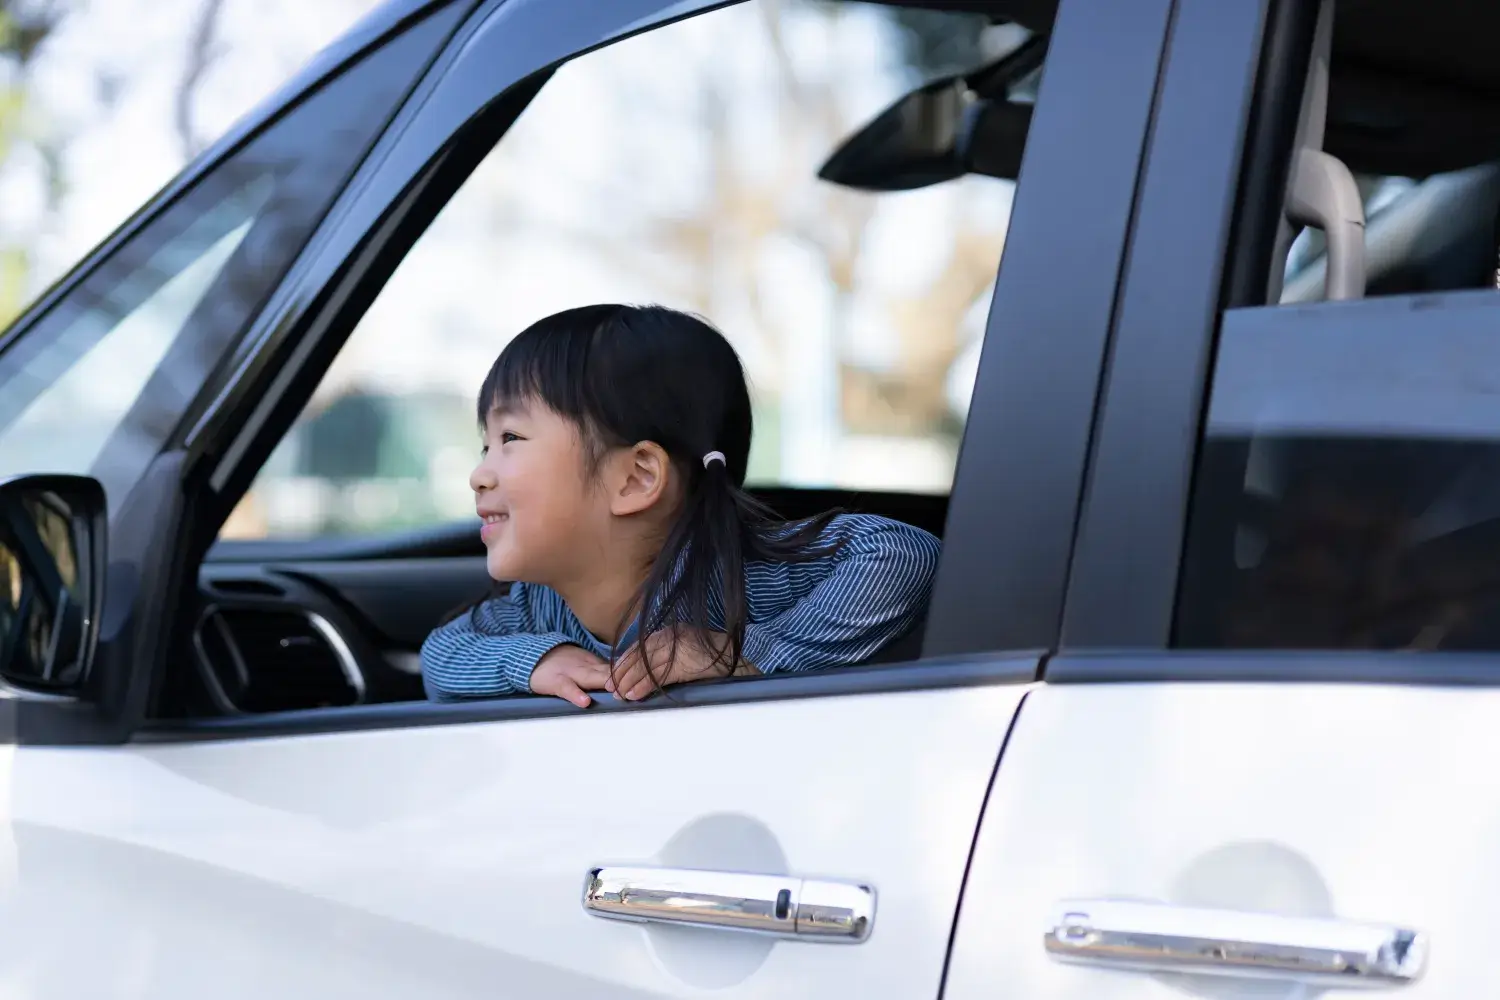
{"points": [[53, 538], [938, 132]]}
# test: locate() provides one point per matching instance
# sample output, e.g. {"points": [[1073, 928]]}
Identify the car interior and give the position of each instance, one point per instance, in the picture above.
{"points": [[284, 626]]}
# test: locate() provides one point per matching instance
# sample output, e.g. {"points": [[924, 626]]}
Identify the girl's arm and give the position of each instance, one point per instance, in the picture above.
{"points": [[489, 652], [864, 596]]}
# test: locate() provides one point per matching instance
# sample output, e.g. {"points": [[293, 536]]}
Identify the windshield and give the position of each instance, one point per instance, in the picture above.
{"points": [[64, 401]]}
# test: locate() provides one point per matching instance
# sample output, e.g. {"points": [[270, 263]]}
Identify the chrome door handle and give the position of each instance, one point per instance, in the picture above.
{"points": [[810, 909], [1158, 937]]}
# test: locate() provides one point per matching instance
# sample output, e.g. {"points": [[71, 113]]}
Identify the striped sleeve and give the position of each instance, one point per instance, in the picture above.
{"points": [[864, 596], [489, 652]]}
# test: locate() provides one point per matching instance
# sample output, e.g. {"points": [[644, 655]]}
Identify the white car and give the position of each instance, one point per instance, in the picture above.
{"points": [[1205, 703]]}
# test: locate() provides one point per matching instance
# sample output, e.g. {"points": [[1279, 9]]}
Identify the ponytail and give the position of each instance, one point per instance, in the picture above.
{"points": [[701, 567]]}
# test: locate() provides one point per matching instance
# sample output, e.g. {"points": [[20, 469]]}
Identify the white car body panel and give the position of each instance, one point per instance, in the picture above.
{"points": [[450, 861], [1363, 803]]}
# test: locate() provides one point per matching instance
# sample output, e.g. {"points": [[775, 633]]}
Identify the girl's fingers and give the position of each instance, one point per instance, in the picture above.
{"points": [[619, 679], [592, 677], [568, 690], [630, 680], [633, 688]]}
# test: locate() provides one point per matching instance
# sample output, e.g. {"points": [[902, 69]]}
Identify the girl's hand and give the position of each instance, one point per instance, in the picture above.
{"points": [[568, 672], [698, 656]]}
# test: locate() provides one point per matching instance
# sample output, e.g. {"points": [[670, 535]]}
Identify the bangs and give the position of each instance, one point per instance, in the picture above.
{"points": [[548, 363]]}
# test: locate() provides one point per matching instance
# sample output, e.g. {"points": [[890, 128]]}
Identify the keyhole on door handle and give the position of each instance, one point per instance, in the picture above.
{"points": [[783, 904], [1077, 929]]}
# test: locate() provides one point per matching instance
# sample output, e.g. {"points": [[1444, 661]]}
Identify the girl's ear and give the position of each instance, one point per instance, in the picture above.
{"points": [[641, 477]]}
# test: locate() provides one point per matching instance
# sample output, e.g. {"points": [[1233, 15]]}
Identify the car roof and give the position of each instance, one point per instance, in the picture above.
{"points": [[1415, 85]]}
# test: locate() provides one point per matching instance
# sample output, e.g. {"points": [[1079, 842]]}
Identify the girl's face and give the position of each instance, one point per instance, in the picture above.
{"points": [[542, 520]]}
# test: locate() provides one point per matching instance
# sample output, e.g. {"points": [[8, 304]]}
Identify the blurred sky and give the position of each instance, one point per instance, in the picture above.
{"points": [[105, 82]]}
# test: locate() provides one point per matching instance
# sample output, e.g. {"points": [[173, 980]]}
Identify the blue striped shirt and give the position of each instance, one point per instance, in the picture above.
{"points": [[838, 609]]}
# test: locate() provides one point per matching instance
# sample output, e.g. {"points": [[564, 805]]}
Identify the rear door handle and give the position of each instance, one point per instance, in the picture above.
{"points": [[1157, 937], [807, 909]]}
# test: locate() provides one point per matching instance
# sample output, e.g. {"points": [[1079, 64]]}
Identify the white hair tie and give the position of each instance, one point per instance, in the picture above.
{"points": [[714, 456]]}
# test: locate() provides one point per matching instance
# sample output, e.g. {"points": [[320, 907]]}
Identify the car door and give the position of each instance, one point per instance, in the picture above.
{"points": [[1260, 765], [399, 848]]}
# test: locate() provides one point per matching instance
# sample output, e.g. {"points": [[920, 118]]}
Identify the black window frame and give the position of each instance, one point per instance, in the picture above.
{"points": [[999, 589], [1210, 141]]}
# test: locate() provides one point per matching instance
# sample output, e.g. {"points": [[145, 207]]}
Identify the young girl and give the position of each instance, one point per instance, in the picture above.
{"points": [[609, 491]]}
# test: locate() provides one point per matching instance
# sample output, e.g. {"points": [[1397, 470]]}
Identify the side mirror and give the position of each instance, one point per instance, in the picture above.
{"points": [[53, 533]]}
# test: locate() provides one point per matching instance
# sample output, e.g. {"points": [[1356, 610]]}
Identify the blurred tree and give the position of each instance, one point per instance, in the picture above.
{"points": [[25, 26], [742, 209], [711, 256], [935, 43], [907, 398], [203, 49]]}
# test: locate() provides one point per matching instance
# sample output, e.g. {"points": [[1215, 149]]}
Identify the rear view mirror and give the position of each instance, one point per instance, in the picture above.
{"points": [[972, 123], [52, 564], [937, 133]]}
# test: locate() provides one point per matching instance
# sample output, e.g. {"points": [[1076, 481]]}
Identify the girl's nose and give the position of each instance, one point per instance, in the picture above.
{"points": [[481, 479]]}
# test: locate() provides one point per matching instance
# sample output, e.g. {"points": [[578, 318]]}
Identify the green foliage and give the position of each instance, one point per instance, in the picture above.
{"points": [[24, 27]]}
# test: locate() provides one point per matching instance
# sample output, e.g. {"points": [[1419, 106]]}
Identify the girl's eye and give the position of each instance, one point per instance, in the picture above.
{"points": [[484, 451], [506, 437]]}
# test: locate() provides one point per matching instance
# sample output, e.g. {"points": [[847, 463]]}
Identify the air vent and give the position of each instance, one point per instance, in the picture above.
{"points": [[276, 661], [250, 587]]}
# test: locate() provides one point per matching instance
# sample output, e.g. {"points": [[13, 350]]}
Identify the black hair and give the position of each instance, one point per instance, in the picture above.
{"points": [[626, 374]]}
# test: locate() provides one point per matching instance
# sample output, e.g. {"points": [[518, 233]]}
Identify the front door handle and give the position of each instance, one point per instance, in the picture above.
{"points": [[808, 909], [1157, 937]]}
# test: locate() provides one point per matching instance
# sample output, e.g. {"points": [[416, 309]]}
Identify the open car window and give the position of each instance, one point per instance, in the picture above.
{"points": [[681, 166]]}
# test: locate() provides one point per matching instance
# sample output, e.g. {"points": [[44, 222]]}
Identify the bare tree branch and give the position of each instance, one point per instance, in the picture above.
{"points": [[772, 13], [200, 56]]}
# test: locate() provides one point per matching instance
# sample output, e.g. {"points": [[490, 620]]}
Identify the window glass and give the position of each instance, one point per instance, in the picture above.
{"points": [[681, 166], [100, 381], [1347, 491], [64, 426]]}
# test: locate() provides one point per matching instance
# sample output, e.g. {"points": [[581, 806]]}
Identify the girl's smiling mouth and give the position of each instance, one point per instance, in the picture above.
{"points": [[490, 523]]}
